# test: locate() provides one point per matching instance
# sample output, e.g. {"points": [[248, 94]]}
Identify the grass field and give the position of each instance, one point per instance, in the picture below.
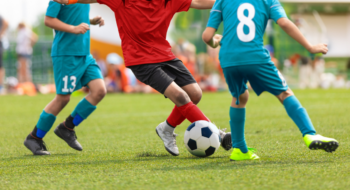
{"points": [[122, 150]]}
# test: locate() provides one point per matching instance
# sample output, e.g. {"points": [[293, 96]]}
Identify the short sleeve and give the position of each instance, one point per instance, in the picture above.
{"points": [[53, 10], [277, 11], [113, 4], [215, 18], [180, 5]]}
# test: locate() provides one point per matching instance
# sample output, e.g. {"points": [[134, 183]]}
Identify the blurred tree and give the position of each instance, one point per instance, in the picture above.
{"points": [[44, 32], [190, 25]]}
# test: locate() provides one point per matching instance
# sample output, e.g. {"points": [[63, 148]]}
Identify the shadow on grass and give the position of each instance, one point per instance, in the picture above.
{"points": [[208, 163], [31, 156]]}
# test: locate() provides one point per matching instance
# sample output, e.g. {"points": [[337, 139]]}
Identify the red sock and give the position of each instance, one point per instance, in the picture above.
{"points": [[175, 118], [192, 112]]}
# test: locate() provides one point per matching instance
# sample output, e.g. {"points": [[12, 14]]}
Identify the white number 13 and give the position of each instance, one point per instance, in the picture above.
{"points": [[73, 79], [248, 21]]}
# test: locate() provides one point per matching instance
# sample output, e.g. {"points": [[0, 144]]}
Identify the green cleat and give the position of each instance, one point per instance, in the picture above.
{"points": [[238, 155], [316, 142]]}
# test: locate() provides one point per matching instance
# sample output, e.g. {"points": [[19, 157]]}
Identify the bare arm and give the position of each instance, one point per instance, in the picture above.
{"points": [[79, 1], [56, 24], [294, 32], [210, 38], [4, 28], [34, 38], [202, 4]]}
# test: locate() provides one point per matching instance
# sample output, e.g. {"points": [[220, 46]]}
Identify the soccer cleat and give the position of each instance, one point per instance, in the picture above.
{"points": [[168, 138], [316, 142], [68, 135], [226, 141], [37, 146], [238, 155]]}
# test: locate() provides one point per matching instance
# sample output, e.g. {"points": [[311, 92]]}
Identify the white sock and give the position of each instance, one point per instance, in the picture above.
{"points": [[168, 128]]}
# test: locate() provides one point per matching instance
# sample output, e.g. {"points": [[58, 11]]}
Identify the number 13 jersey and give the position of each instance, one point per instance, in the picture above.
{"points": [[244, 26]]}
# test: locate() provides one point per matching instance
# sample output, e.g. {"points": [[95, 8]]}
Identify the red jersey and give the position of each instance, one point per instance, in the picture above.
{"points": [[143, 25]]}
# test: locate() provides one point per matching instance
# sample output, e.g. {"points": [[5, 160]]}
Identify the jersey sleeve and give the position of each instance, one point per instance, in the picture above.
{"points": [[113, 4], [215, 17], [277, 11], [181, 5], [53, 9]]}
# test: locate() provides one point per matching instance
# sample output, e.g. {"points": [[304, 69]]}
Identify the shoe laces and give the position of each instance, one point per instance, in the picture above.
{"points": [[42, 144], [173, 138]]}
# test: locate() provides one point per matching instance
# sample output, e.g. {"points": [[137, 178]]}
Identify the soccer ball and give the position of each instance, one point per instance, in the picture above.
{"points": [[202, 138]]}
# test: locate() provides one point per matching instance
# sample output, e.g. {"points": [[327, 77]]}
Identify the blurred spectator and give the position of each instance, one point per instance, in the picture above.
{"points": [[348, 74], [26, 39], [101, 63], [272, 55], [318, 68], [3, 28], [120, 78], [304, 72]]}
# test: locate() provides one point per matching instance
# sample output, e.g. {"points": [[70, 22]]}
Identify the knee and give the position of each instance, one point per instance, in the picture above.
{"points": [[196, 97], [181, 98], [244, 98], [99, 94], [285, 95], [63, 99]]}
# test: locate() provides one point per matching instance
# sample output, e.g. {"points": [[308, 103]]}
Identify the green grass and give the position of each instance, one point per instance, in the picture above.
{"points": [[122, 150]]}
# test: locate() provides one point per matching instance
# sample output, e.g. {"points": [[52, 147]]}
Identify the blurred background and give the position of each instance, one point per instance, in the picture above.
{"points": [[26, 46]]}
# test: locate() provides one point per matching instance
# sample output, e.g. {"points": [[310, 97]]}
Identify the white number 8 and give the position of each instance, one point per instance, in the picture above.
{"points": [[248, 21]]}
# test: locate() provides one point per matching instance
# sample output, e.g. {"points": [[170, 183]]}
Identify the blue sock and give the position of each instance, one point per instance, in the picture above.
{"points": [[237, 116], [82, 111], [299, 115], [44, 124]]}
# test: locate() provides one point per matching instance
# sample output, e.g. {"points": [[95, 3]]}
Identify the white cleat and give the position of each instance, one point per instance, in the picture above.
{"points": [[166, 133]]}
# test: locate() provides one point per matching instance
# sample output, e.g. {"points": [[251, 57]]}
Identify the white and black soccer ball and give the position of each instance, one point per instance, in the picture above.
{"points": [[202, 138]]}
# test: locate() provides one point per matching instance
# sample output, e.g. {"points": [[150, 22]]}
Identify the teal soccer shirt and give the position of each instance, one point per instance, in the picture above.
{"points": [[64, 43], [244, 26]]}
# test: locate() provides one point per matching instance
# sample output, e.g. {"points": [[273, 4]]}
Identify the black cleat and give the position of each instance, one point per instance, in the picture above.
{"points": [[226, 141], [37, 146], [68, 135]]}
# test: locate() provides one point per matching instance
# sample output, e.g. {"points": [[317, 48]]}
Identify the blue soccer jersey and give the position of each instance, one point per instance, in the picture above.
{"points": [[244, 26], [66, 43]]}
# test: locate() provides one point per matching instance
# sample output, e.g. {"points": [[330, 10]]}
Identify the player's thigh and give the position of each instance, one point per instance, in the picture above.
{"points": [[153, 75], [266, 77], [194, 92], [236, 81], [177, 70], [92, 76], [68, 71]]}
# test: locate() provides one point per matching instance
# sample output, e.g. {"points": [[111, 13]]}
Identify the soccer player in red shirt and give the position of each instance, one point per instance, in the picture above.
{"points": [[143, 25]]}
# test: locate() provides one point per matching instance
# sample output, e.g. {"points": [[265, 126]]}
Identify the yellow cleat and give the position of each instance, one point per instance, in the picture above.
{"points": [[238, 155]]}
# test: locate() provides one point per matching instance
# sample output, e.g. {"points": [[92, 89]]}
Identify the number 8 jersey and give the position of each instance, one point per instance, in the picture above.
{"points": [[244, 27]]}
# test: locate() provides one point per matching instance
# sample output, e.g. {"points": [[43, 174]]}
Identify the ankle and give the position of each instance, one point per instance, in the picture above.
{"points": [[69, 123]]}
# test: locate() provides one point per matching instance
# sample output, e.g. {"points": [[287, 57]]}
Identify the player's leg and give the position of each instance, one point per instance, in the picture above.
{"points": [[92, 78], [301, 118], [34, 140], [266, 77], [195, 93], [161, 78], [237, 85]]}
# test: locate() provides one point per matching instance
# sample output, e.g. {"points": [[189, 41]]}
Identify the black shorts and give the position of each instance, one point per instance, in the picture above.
{"points": [[160, 75]]}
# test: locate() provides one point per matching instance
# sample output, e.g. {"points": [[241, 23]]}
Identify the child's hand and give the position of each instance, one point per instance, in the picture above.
{"points": [[98, 20], [319, 48], [61, 1], [81, 28], [216, 40]]}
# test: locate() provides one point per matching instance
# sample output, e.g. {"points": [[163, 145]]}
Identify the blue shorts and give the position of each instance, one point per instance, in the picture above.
{"points": [[262, 77], [73, 72]]}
